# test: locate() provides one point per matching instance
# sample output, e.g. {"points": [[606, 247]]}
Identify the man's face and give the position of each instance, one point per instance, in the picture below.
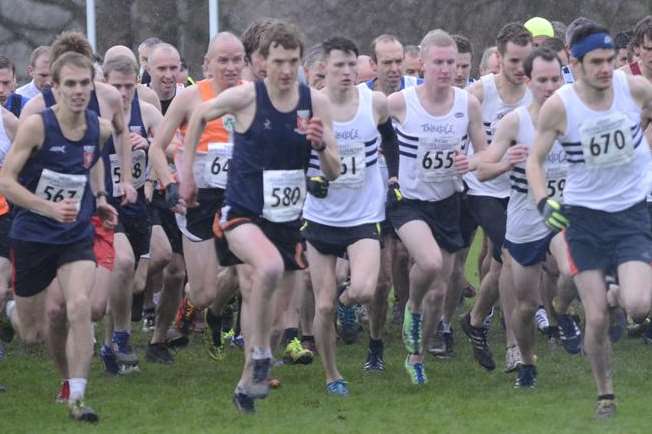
{"points": [[546, 78], [365, 69], [511, 64], [125, 84], [143, 56], [40, 72], [316, 75], [163, 66], [412, 65], [463, 70], [621, 57], [389, 60], [439, 65], [645, 52], [597, 68], [7, 84], [74, 88], [225, 62], [537, 41], [282, 66], [341, 69], [258, 65]]}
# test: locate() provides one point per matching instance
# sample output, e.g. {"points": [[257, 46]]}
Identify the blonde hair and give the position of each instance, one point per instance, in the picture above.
{"points": [[436, 38]]}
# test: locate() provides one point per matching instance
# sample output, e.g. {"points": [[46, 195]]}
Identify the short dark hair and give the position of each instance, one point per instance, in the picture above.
{"points": [[539, 53], [516, 33], [70, 41], [382, 38], [6, 63], [463, 44], [622, 39], [285, 34], [339, 43], [253, 35], [553, 44], [71, 58], [586, 30], [643, 28]]}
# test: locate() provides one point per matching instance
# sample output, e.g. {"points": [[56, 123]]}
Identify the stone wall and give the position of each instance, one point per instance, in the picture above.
{"points": [[25, 24]]}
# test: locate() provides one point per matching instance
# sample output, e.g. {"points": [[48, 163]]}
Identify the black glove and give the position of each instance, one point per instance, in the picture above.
{"points": [[394, 195], [172, 195], [552, 213], [317, 186]]}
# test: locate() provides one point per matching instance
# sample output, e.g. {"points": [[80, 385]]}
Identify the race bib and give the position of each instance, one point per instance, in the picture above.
{"points": [[353, 166], [436, 158], [138, 170], [216, 167], [55, 187], [607, 141], [283, 194]]}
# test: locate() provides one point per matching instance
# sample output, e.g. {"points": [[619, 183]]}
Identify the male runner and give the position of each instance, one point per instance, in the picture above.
{"points": [[277, 123], [597, 120], [51, 174], [347, 220], [412, 64], [434, 124], [39, 70], [464, 53], [365, 69], [489, 62]]}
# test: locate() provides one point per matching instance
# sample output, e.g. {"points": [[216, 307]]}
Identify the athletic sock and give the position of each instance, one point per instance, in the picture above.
{"points": [[289, 334], [215, 323], [375, 345], [445, 326], [121, 339], [608, 396], [259, 353], [77, 388]]}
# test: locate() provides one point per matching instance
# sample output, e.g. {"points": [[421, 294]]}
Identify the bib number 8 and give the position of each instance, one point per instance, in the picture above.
{"points": [[286, 196]]}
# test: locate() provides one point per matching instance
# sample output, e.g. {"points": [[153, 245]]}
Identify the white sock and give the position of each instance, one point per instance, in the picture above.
{"points": [[261, 353], [77, 388], [9, 308]]}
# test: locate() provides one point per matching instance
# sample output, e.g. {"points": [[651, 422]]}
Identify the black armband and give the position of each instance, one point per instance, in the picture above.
{"points": [[389, 147]]}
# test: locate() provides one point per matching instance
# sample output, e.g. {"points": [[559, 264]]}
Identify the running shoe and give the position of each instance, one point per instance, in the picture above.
{"points": [[412, 332], [108, 358], [442, 343], [541, 320], [362, 313], [124, 353], [348, 325], [375, 362], [63, 395], [259, 387], [617, 323], [337, 388], [310, 344], [513, 359], [605, 409], [243, 403], [488, 319], [176, 339], [149, 320], [635, 330], [569, 334], [416, 371], [213, 340], [81, 413], [296, 354], [478, 338], [527, 377], [159, 353]]}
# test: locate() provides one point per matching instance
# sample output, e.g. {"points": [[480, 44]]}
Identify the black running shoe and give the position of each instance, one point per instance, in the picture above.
{"points": [[527, 377], [375, 362], [159, 353], [81, 413], [478, 338], [569, 334], [243, 403]]}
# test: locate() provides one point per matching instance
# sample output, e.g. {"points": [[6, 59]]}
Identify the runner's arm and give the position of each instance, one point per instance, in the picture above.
{"points": [[389, 143], [490, 162], [329, 158]]}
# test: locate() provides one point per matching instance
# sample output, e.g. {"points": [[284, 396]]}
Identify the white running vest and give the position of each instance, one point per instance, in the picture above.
{"points": [[427, 146], [5, 143], [524, 223], [608, 155], [493, 110], [357, 196]]}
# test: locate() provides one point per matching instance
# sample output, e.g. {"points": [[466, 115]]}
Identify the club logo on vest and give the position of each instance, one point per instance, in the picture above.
{"points": [[61, 149], [89, 152], [302, 121]]}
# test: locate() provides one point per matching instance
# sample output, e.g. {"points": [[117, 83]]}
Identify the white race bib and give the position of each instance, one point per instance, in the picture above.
{"points": [[283, 194], [138, 170], [436, 158], [607, 141], [353, 166], [55, 186], [216, 165]]}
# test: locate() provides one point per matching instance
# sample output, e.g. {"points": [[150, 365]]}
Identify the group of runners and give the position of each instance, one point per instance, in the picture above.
{"points": [[306, 183]]}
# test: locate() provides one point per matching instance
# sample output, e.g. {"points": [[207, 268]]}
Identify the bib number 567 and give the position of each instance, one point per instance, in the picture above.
{"points": [[54, 194]]}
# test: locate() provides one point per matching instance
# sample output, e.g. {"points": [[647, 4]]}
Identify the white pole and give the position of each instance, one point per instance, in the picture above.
{"points": [[213, 15], [90, 23]]}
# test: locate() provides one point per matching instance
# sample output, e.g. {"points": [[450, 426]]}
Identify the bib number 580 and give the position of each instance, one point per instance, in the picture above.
{"points": [[285, 196]]}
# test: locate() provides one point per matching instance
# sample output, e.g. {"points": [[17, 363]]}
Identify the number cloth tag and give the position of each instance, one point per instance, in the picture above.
{"points": [[54, 186], [283, 193], [216, 167], [138, 170], [607, 141], [435, 159], [353, 166]]}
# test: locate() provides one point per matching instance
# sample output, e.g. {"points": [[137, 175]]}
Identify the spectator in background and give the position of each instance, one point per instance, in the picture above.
{"points": [[10, 100], [143, 56], [489, 63], [412, 64]]}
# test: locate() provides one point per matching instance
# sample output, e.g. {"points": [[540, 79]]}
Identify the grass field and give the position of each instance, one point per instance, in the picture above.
{"points": [[194, 395]]}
